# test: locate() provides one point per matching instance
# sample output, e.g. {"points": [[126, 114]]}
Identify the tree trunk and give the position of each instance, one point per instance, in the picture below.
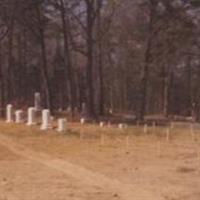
{"points": [[144, 82], [100, 59], [68, 63], [44, 68], [145, 71], [9, 81], [189, 87], [101, 82], [90, 45], [166, 95], [2, 85]]}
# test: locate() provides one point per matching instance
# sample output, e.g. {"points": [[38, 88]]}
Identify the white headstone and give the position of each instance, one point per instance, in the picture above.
{"points": [[61, 125], [120, 126], [101, 124], [18, 116], [82, 120], [145, 128], [31, 116], [37, 101], [9, 113], [45, 120]]}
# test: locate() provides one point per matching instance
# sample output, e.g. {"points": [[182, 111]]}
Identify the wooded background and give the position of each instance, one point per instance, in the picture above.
{"points": [[130, 56]]}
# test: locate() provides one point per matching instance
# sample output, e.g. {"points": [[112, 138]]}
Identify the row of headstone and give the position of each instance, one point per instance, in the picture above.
{"points": [[31, 118], [46, 117]]}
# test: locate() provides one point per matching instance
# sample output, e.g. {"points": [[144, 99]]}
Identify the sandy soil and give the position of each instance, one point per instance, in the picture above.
{"points": [[98, 164]]}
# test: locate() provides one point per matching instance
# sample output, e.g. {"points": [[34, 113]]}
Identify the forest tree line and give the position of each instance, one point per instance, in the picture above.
{"points": [[130, 56]]}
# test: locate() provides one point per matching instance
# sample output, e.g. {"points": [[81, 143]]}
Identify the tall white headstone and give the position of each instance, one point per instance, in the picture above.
{"points": [[31, 116], [101, 124], [45, 120], [9, 113], [61, 125], [82, 120], [37, 101], [120, 126], [18, 116]]}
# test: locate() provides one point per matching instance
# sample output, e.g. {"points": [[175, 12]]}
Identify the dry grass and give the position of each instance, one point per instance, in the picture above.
{"points": [[169, 167], [90, 136]]}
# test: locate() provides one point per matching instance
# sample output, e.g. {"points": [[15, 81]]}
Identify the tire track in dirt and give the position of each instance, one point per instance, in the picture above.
{"points": [[85, 176]]}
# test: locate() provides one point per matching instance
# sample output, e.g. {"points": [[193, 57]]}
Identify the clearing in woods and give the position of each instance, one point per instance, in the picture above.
{"points": [[92, 163]]}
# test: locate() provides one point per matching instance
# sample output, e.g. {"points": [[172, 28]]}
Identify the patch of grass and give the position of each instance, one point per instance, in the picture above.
{"points": [[93, 131]]}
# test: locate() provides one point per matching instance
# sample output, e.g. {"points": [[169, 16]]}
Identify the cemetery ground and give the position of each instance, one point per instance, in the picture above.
{"points": [[89, 162]]}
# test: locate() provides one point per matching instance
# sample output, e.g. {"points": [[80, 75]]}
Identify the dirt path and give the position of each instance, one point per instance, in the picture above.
{"points": [[82, 175]]}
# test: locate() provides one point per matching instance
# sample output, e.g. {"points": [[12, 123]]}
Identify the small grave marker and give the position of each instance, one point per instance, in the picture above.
{"points": [[82, 121], [61, 125], [9, 113], [31, 116], [167, 134], [18, 116], [45, 120], [101, 124], [145, 128]]}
